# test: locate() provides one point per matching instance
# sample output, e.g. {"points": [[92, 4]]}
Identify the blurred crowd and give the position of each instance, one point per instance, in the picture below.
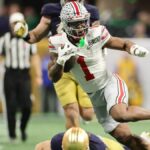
{"points": [[126, 18]]}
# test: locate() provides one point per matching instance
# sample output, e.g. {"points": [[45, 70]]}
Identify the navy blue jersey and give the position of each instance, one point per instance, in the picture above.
{"points": [[94, 142], [52, 10]]}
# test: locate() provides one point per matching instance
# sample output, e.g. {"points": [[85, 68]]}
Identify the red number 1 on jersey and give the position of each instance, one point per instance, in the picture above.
{"points": [[81, 62]]}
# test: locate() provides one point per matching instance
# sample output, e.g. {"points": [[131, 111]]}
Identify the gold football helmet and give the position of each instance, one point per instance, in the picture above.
{"points": [[75, 138]]}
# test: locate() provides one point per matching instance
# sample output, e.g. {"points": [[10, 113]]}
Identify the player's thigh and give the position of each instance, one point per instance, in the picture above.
{"points": [[116, 94], [83, 99], [66, 90], [103, 117]]}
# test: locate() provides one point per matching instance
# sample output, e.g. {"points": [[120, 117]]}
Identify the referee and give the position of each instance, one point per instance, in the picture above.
{"points": [[19, 56]]}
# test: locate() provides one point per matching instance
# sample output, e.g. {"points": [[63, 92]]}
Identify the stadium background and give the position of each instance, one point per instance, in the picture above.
{"points": [[124, 18]]}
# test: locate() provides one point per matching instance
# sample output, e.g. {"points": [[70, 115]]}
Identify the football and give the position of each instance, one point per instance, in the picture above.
{"points": [[69, 64]]}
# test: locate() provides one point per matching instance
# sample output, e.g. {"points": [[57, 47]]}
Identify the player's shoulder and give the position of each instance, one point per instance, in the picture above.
{"points": [[90, 8], [57, 39], [97, 30], [56, 141], [96, 142], [51, 8]]}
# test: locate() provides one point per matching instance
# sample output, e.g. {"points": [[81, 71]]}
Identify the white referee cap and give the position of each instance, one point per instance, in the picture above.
{"points": [[17, 16]]}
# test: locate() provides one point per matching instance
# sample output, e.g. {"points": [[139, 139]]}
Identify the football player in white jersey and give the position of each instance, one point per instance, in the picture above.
{"points": [[108, 92]]}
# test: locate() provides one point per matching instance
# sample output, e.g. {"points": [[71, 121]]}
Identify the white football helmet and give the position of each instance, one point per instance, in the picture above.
{"points": [[75, 138], [75, 19], [63, 2]]}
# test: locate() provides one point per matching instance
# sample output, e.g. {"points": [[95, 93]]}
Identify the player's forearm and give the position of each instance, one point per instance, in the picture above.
{"points": [[119, 44], [40, 31], [128, 46], [55, 72], [37, 34]]}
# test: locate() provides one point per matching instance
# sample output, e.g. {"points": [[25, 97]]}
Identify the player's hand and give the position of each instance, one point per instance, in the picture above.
{"points": [[21, 29], [64, 54], [138, 51]]}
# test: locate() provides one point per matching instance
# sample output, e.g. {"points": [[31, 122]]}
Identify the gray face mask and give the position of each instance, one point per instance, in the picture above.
{"points": [[77, 29]]}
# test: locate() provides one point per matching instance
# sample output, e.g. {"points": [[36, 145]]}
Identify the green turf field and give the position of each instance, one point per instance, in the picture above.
{"points": [[44, 126]]}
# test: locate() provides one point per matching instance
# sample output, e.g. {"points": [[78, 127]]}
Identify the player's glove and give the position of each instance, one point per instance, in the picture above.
{"points": [[138, 51], [21, 29], [64, 54]]}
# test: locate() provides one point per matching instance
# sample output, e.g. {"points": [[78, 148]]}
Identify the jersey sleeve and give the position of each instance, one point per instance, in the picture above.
{"points": [[50, 9], [105, 36], [56, 142]]}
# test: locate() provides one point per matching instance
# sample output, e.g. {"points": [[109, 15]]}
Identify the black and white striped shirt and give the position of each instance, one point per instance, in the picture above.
{"points": [[17, 52]]}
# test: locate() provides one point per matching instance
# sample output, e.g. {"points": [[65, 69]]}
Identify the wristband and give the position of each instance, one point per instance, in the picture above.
{"points": [[27, 37]]}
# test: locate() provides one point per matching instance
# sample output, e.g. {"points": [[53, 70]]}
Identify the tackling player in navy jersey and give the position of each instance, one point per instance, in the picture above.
{"points": [[75, 103], [77, 139]]}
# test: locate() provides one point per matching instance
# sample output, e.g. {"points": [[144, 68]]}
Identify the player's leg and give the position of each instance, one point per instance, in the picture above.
{"points": [[121, 111], [72, 115], [116, 95], [24, 93], [120, 131], [103, 101], [45, 145], [124, 113], [123, 134], [85, 105], [66, 91]]}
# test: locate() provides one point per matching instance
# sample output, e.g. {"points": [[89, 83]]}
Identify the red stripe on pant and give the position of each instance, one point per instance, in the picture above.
{"points": [[121, 90]]}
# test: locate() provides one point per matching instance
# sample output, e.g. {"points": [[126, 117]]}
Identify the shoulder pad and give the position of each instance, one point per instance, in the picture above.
{"points": [[93, 11], [95, 30]]}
